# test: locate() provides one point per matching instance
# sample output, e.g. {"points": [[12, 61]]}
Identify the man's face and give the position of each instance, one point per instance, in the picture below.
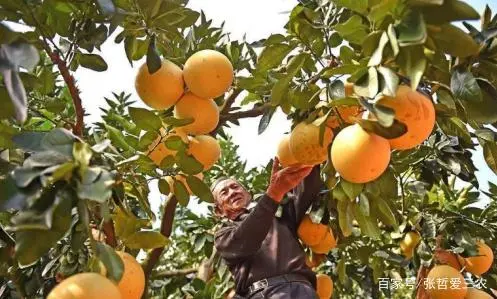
{"points": [[231, 197]]}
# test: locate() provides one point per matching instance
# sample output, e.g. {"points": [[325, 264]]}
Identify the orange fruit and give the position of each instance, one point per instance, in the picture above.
{"points": [[205, 149], [347, 114], [324, 286], [480, 264], [359, 156], [311, 233], [440, 283], [416, 111], [409, 243], [477, 294], [208, 74], [158, 150], [85, 286], [161, 89], [326, 244], [205, 114], [132, 283], [284, 153], [305, 146]]}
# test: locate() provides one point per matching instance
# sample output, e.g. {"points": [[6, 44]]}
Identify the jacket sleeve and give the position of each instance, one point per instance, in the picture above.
{"points": [[305, 194], [245, 239]]}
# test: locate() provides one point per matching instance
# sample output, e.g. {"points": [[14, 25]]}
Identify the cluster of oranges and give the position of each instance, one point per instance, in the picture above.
{"points": [[449, 267], [206, 74], [357, 155], [96, 285]]}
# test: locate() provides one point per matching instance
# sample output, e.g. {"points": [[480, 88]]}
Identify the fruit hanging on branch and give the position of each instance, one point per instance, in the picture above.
{"points": [[305, 144]]}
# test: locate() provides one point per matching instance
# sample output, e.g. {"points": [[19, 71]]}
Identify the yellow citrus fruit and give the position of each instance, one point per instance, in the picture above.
{"points": [[158, 150], [284, 153], [205, 149], [161, 89], [440, 283], [477, 294], [326, 244], [305, 146], [347, 114], [85, 286], [208, 73], [324, 286], [480, 264], [205, 114], [409, 243], [359, 156], [132, 283], [311, 233], [416, 111], [182, 179]]}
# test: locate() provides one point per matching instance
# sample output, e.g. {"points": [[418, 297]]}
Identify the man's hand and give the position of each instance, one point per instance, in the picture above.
{"points": [[284, 180]]}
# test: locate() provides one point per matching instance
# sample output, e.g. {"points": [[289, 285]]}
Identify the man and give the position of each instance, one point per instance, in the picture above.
{"points": [[261, 250]]}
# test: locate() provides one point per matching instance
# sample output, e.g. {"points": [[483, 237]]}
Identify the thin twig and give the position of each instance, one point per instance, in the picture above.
{"points": [[172, 273], [73, 90], [230, 100], [165, 229]]}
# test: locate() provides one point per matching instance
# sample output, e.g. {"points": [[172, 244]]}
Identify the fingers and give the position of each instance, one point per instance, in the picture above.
{"points": [[276, 166]]}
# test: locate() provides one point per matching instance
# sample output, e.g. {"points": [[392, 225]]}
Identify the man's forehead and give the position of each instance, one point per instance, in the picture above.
{"points": [[224, 183]]}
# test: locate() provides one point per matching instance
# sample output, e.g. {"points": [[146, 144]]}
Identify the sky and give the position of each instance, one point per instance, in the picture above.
{"points": [[256, 19]]}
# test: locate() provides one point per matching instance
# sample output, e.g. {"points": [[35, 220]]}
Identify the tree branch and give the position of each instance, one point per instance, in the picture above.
{"points": [[254, 112], [71, 84], [171, 273], [166, 228], [230, 100]]}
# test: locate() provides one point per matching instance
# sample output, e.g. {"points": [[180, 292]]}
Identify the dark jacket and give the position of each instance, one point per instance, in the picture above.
{"points": [[258, 245]]}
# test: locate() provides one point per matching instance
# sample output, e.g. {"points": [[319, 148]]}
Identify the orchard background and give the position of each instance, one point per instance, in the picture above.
{"points": [[78, 188]]}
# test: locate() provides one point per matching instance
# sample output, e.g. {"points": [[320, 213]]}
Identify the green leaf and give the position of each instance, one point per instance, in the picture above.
{"points": [[32, 244], [352, 190], [353, 30], [92, 61], [464, 86], [265, 120], [370, 43], [117, 137], [342, 271], [345, 217], [360, 6], [364, 204], [454, 126], [175, 143], [188, 164], [490, 154], [112, 262], [164, 187], [177, 122], [389, 81], [96, 185], [412, 29], [145, 119], [392, 37], [272, 56], [341, 70], [378, 53], [199, 243], [484, 112], [368, 225], [106, 6], [453, 41], [199, 188], [82, 153], [181, 193], [24, 176], [335, 40], [449, 11], [385, 212], [153, 58], [126, 224], [146, 240], [413, 63], [397, 129], [368, 85], [280, 91]]}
